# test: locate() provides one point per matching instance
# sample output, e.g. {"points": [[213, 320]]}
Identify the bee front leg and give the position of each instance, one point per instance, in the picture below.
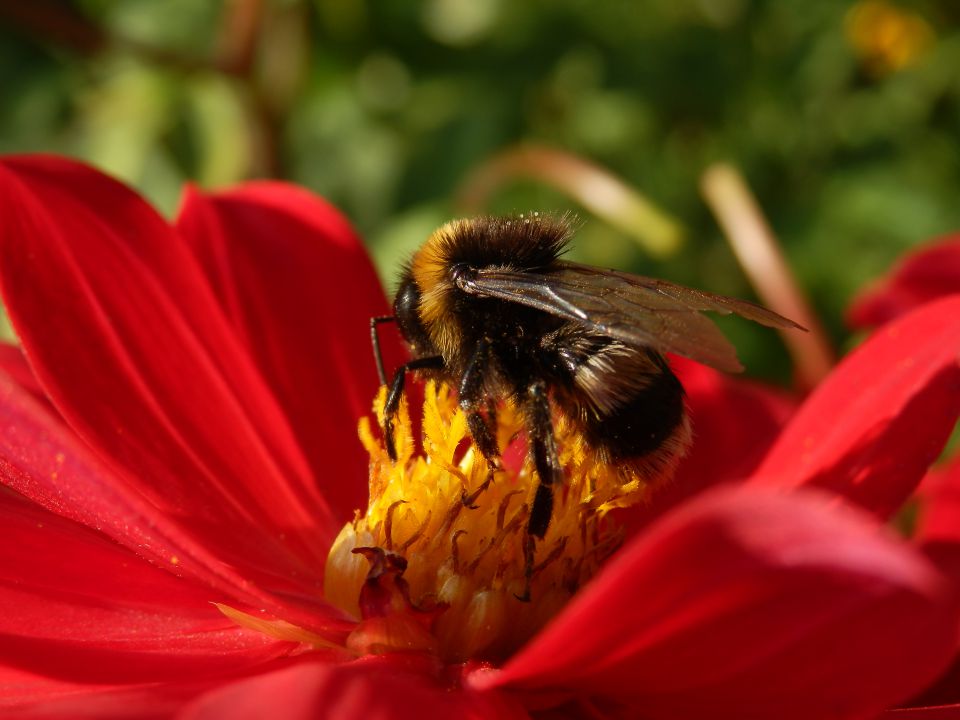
{"points": [[392, 404], [472, 399]]}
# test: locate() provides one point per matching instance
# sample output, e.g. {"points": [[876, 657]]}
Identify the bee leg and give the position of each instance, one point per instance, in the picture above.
{"points": [[493, 464], [433, 362], [546, 460], [471, 399], [375, 341], [492, 415], [529, 547]]}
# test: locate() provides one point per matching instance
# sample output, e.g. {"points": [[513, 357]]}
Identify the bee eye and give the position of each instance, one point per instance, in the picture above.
{"points": [[407, 300], [406, 308]]}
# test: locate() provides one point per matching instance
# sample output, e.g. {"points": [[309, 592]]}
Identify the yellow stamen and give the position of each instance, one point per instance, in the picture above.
{"points": [[463, 537]]}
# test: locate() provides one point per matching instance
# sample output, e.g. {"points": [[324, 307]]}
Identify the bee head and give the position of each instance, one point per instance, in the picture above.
{"points": [[406, 308], [428, 295]]}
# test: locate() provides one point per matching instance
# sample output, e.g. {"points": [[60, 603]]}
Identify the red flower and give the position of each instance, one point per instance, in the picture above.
{"points": [[928, 273], [184, 435], [920, 277]]}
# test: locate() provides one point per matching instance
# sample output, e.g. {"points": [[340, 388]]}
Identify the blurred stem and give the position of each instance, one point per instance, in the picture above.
{"points": [[276, 75], [266, 133], [241, 22], [605, 195], [759, 254], [56, 22], [239, 30]]}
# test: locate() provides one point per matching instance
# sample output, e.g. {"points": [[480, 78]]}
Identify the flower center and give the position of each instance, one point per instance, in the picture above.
{"points": [[442, 560]]}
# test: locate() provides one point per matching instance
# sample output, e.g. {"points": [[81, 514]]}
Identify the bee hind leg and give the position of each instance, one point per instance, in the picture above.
{"points": [[546, 460]]}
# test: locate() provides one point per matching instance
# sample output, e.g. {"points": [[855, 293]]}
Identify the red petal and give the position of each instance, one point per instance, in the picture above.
{"points": [[76, 606], [41, 459], [939, 519], [734, 422], [871, 429], [300, 290], [936, 712], [938, 528], [14, 364], [27, 695], [371, 688], [126, 337], [749, 603], [944, 692], [19, 688], [922, 276]]}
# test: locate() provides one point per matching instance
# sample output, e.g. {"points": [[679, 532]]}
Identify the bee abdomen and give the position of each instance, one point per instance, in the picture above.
{"points": [[626, 400], [642, 424]]}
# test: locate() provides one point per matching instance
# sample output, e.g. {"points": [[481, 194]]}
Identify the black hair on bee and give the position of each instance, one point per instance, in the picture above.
{"points": [[487, 306]]}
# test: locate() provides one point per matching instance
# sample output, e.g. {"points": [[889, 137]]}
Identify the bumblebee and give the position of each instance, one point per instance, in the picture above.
{"points": [[487, 306]]}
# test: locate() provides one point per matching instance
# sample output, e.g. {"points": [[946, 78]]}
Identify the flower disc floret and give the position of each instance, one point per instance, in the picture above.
{"points": [[462, 531]]}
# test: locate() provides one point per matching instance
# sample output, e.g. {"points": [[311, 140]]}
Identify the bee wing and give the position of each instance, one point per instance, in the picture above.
{"points": [[638, 311]]}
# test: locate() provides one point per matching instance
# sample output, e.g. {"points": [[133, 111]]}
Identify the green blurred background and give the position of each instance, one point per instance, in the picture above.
{"points": [[844, 117]]}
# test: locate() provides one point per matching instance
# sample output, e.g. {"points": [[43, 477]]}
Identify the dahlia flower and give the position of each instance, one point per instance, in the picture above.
{"points": [[183, 488]]}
